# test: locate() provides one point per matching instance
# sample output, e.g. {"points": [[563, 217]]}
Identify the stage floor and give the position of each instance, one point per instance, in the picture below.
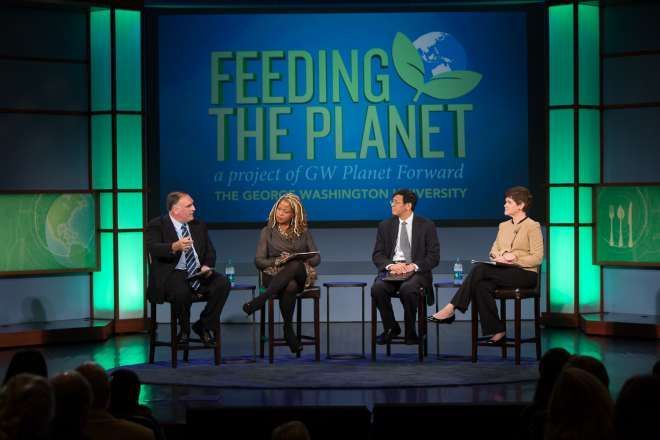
{"points": [[622, 357]]}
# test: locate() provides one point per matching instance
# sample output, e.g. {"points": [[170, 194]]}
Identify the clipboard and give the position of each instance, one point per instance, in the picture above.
{"points": [[495, 263], [300, 256]]}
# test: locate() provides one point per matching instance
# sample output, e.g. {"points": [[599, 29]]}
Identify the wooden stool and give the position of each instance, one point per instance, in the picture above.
{"points": [[517, 295], [311, 292], [173, 343], [423, 347]]}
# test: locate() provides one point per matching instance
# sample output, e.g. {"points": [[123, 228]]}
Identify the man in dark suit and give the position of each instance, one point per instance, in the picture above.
{"points": [[406, 243], [179, 246]]}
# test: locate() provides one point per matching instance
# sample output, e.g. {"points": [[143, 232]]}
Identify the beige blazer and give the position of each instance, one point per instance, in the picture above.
{"points": [[524, 240]]}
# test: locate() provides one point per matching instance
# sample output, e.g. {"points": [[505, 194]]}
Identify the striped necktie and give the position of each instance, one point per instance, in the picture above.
{"points": [[191, 262]]}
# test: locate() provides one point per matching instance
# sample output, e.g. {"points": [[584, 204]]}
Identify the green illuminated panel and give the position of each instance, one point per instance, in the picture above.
{"points": [[589, 162], [128, 62], [586, 210], [560, 31], [129, 210], [103, 280], [106, 210], [589, 347], [145, 390], [561, 146], [562, 269], [562, 205], [589, 273], [100, 66], [102, 152], [131, 283], [129, 152], [589, 53], [565, 340]]}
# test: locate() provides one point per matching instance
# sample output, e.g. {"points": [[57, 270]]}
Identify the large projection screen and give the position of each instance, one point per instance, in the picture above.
{"points": [[343, 109]]}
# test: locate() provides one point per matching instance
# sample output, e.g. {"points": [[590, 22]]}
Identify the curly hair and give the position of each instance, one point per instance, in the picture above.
{"points": [[298, 223]]}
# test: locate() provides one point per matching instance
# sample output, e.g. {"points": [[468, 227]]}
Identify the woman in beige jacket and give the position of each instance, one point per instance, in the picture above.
{"points": [[517, 251]]}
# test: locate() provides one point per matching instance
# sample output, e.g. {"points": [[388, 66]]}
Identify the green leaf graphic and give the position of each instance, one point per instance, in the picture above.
{"points": [[452, 84], [408, 62]]}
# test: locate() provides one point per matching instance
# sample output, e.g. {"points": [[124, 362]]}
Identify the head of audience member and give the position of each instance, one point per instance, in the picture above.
{"points": [[590, 365], [180, 206], [637, 408], [26, 361], [73, 399], [288, 211], [294, 430], [124, 392], [26, 407], [403, 203], [98, 381], [580, 407], [551, 364]]}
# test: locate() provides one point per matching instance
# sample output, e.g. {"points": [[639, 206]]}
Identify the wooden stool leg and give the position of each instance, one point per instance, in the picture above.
{"points": [[271, 329], [475, 330], [374, 325], [174, 346], [218, 344], [537, 327], [517, 330], [425, 328], [503, 315], [420, 326], [262, 331], [317, 329], [152, 336], [299, 321]]}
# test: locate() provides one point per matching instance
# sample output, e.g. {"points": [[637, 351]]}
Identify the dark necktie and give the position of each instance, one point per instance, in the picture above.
{"points": [[191, 262]]}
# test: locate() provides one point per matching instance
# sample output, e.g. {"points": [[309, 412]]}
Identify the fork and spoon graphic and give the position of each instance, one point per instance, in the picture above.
{"points": [[620, 214]]}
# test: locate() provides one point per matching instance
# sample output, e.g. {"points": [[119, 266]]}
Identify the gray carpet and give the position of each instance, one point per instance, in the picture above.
{"points": [[399, 371]]}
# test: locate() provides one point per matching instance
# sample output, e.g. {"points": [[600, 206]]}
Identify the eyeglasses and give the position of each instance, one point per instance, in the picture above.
{"points": [[394, 203]]}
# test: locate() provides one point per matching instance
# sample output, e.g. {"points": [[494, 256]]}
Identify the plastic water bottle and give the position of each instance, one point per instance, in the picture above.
{"points": [[230, 272], [458, 273]]}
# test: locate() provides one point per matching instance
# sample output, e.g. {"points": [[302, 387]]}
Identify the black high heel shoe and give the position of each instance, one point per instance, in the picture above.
{"points": [[252, 306], [448, 320], [292, 341]]}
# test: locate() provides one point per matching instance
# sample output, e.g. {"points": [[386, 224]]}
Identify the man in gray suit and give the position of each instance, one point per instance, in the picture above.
{"points": [[407, 246]]}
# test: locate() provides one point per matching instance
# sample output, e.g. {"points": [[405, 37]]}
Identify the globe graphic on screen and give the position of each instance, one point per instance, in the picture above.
{"points": [[69, 229], [441, 52]]}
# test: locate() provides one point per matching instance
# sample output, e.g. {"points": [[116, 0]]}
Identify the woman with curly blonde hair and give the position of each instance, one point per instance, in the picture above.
{"points": [[286, 233]]}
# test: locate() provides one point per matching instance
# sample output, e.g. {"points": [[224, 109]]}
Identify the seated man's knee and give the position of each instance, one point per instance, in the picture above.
{"points": [[409, 292]]}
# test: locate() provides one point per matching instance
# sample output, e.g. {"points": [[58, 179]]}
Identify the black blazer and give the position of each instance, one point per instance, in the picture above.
{"points": [[425, 249], [160, 234]]}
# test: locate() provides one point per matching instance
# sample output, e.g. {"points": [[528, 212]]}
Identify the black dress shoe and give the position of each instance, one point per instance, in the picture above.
{"points": [[204, 334], [448, 320], [497, 342], [387, 335], [411, 340], [182, 338]]}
